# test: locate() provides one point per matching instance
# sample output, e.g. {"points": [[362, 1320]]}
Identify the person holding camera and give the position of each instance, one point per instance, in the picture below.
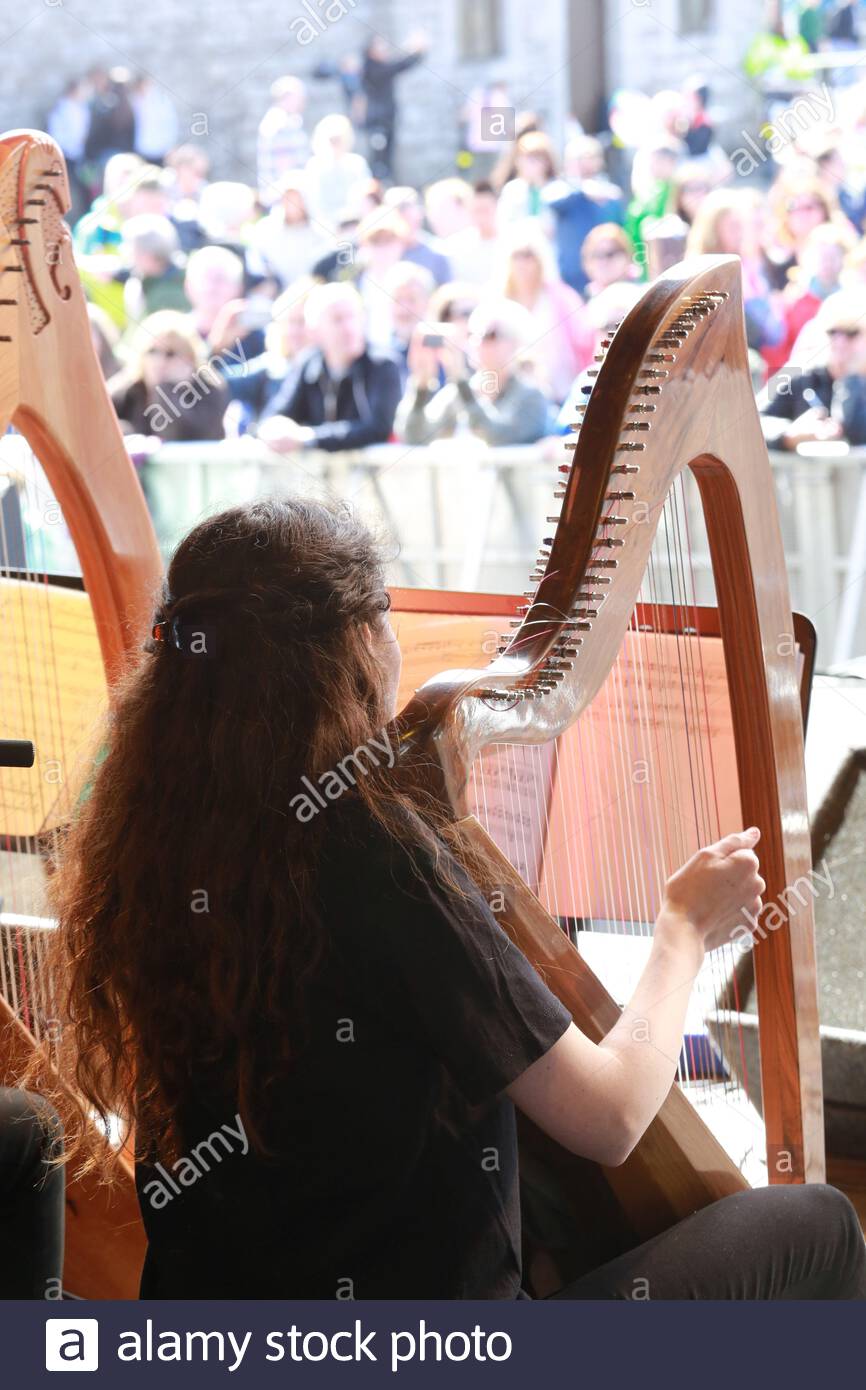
{"points": [[487, 389]]}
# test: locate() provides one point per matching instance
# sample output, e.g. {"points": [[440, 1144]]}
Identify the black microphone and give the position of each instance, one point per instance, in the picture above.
{"points": [[16, 752]]}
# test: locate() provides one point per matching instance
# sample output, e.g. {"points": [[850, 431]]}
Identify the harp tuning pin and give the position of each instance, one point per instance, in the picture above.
{"points": [[570, 444], [630, 445], [636, 425], [552, 519], [563, 468], [626, 468], [620, 497]]}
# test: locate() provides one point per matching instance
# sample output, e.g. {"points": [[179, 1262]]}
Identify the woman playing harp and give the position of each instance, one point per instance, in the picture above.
{"points": [[282, 976]]}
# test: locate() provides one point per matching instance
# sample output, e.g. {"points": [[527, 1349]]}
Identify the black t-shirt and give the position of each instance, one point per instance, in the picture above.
{"points": [[398, 1169]]}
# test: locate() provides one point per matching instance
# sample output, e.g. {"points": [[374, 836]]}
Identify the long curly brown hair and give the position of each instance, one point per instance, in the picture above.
{"points": [[184, 890]]}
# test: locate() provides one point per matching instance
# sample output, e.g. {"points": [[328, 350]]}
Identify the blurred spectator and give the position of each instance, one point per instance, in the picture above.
{"points": [[652, 187], [730, 222], [827, 401], [155, 274], [448, 204], [486, 391], [283, 144], [169, 391], [379, 73], [523, 195], [583, 199], [698, 133], [409, 288], [341, 262], [798, 203], [219, 314], [188, 167], [226, 213], [583, 167], [339, 395], [112, 118], [607, 256], [811, 24], [692, 182], [105, 339], [834, 177], [817, 276], [382, 240], [68, 123], [333, 171], [348, 73], [840, 25], [505, 169], [69, 120], [601, 317], [472, 251], [530, 277], [285, 244], [253, 384], [130, 187], [156, 123], [454, 304], [421, 248]]}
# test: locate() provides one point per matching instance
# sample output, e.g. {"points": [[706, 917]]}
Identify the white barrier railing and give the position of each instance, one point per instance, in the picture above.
{"points": [[466, 517]]}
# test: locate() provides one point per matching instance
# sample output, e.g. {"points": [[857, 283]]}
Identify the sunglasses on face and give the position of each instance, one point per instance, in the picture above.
{"points": [[608, 253], [168, 352], [848, 333]]}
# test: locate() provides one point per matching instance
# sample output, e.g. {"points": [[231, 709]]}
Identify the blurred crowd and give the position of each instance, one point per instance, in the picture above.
{"points": [[324, 304]]}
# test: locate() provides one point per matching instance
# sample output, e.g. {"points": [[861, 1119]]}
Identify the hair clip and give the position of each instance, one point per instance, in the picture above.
{"points": [[189, 638]]}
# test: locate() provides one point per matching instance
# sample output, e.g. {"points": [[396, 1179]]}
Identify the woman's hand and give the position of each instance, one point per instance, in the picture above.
{"points": [[712, 893]]}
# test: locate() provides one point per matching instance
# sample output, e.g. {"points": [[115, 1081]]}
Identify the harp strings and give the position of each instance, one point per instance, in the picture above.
{"points": [[600, 818], [31, 687]]}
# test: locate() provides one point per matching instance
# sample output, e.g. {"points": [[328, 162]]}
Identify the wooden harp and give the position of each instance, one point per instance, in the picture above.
{"points": [[611, 616], [62, 448]]}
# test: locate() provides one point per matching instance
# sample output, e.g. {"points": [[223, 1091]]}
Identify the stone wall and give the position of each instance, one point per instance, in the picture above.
{"points": [[218, 58]]}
